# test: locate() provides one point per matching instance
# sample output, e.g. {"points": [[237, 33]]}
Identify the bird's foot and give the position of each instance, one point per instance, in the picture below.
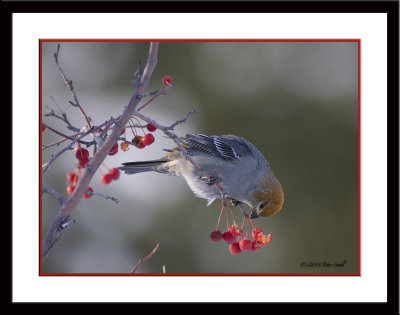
{"points": [[210, 180], [234, 202]]}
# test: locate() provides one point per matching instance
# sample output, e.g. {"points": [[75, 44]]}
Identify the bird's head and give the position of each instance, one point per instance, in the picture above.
{"points": [[267, 199]]}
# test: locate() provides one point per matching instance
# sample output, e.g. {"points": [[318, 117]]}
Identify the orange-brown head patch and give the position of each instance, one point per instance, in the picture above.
{"points": [[270, 198]]}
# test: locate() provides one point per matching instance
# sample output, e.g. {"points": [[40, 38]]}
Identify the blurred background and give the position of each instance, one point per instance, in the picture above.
{"points": [[295, 101]]}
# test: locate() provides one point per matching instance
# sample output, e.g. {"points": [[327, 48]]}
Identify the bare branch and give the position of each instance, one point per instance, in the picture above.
{"points": [[46, 166], [69, 205], [181, 120], [44, 147], [64, 119], [157, 248], [68, 137], [53, 193], [104, 196], [68, 83]]}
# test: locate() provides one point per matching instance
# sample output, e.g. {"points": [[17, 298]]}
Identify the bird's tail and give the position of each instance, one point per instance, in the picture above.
{"points": [[142, 166]]}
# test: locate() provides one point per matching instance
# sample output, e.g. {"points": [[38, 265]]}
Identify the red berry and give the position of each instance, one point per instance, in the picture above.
{"points": [[167, 80], [245, 244], [106, 179], [228, 237], [255, 246], [256, 231], [234, 248], [70, 189], [86, 196], [72, 177], [234, 230], [114, 172], [114, 149], [148, 139], [82, 163], [82, 154], [264, 240], [216, 236], [138, 143], [151, 128]]}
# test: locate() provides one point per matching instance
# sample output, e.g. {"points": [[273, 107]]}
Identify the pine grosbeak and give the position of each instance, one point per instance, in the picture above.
{"points": [[229, 161]]}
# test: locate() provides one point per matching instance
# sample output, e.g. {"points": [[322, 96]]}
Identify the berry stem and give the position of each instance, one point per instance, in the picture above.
{"points": [[241, 227], [227, 218], [132, 127], [233, 217], [219, 218], [247, 226], [133, 117]]}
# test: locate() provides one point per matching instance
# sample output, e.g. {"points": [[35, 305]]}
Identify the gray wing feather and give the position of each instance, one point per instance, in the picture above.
{"points": [[227, 147]]}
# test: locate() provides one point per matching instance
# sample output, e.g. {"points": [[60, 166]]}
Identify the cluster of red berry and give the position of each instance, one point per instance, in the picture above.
{"points": [[147, 139], [72, 179], [113, 174], [140, 141], [233, 237]]}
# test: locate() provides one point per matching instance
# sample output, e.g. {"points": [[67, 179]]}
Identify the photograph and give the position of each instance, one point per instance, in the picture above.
{"points": [[199, 157]]}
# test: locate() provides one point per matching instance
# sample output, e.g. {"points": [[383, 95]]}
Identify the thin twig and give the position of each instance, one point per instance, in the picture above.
{"points": [[171, 127], [64, 119], [68, 137], [46, 166], [68, 83], [157, 248], [104, 196], [57, 143], [47, 189]]}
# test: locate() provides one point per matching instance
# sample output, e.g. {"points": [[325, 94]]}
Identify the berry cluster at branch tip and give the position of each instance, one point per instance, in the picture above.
{"points": [[139, 141], [237, 240]]}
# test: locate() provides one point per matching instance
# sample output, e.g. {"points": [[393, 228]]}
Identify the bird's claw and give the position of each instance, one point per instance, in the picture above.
{"points": [[210, 180], [234, 202]]}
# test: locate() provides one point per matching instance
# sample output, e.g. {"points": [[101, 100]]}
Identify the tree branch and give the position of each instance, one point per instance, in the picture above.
{"points": [[157, 248], [47, 189], [69, 205]]}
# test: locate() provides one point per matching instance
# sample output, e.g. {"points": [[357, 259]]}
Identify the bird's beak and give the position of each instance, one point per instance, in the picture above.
{"points": [[254, 214]]}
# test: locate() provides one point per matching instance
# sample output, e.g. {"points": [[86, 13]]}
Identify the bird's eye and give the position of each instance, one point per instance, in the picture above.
{"points": [[261, 205]]}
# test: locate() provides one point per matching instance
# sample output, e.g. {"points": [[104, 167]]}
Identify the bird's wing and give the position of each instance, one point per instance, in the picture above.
{"points": [[229, 148]]}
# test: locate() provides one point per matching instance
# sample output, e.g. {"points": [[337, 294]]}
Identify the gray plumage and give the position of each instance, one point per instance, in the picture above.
{"points": [[230, 158]]}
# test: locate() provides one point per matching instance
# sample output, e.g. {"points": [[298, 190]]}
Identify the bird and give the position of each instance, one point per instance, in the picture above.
{"points": [[219, 167]]}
